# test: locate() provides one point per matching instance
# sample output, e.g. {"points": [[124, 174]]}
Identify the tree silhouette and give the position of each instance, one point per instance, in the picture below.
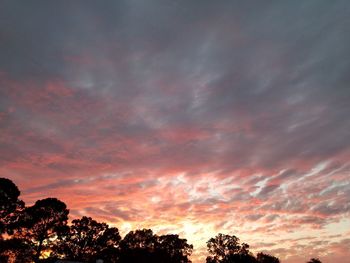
{"points": [[314, 260], [141, 238], [266, 258], [108, 245], [15, 250], [87, 239], [227, 249], [138, 246], [240, 258], [42, 223], [175, 248], [10, 208], [9, 205], [221, 246], [144, 246]]}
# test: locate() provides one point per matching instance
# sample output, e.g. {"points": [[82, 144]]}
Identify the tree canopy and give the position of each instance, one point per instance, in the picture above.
{"points": [[314, 260], [9, 205], [226, 249], [144, 246], [85, 239], [42, 223], [266, 258]]}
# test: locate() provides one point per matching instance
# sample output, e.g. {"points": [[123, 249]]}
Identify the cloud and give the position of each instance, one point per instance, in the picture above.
{"points": [[225, 116]]}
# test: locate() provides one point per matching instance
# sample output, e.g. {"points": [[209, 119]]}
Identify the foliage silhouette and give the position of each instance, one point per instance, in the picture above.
{"points": [[15, 250], [42, 224], [144, 246], [177, 249], [85, 239], [266, 258], [227, 249], [138, 246], [9, 205], [314, 260]]}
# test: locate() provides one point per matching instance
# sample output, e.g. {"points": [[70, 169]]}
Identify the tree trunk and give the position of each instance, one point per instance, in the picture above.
{"points": [[38, 251]]}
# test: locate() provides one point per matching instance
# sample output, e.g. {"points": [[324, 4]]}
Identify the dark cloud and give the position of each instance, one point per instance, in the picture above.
{"points": [[259, 83]]}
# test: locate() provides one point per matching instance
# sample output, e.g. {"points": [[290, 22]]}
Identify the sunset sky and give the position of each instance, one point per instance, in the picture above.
{"points": [[188, 117]]}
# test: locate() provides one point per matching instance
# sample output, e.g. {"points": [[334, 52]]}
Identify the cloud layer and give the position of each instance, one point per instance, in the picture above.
{"points": [[193, 118]]}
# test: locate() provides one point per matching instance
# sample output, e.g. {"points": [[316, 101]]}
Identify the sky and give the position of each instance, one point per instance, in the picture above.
{"points": [[188, 117]]}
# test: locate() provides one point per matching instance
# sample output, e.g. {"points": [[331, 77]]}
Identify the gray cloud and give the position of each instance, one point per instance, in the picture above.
{"points": [[268, 84]]}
